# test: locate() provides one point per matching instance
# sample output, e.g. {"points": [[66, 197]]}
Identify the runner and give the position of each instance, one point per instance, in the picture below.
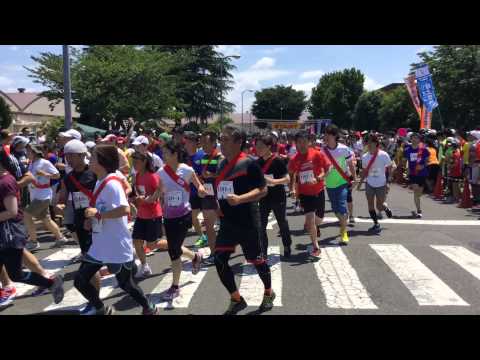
{"points": [[176, 178], [209, 204], [13, 239], [240, 185], [433, 165], [376, 163], [416, 155], [141, 145], [276, 176], [309, 166], [337, 180], [455, 171], [111, 241], [148, 223], [40, 197]]}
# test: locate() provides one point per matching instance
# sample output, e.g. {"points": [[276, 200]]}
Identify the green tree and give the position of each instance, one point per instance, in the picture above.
{"points": [[336, 95], [218, 125], [279, 102], [397, 111], [6, 116], [366, 112], [456, 77]]}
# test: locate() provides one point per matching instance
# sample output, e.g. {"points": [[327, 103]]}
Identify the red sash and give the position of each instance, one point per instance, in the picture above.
{"points": [[370, 163], [266, 166], [96, 194], [177, 179], [40, 186], [212, 155], [336, 166], [82, 188], [228, 167]]}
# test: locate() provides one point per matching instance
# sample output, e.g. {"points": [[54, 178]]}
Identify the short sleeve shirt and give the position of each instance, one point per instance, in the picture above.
{"points": [[88, 180], [195, 161], [308, 166], [411, 155], [146, 185], [8, 187], [376, 175], [40, 193], [342, 155], [176, 202], [276, 170]]}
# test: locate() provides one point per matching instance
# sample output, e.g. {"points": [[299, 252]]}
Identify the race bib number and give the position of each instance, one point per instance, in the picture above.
{"points": [[97, 225], [225, 188], [375, 172], [141, 189], [269, 176], [306, 177], [209, 189], [80, 200], [174, 198], [413, 157]]}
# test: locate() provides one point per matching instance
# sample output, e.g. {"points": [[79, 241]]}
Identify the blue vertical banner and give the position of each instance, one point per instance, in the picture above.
{"points": [[425, 87]]}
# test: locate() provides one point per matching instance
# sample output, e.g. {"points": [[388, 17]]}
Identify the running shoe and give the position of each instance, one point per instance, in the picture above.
{"points": [[287, 252], [39, 291], [375, 228], [389, 213], [171, 294], [298, 209], [148, 251], [32, 245], [315, 252], [7, 295], [202, 241], [417, 215], [236, 306], [380, 216], [345, 240], [196, 263], [153, 311], [106, 310], [60, 243], [77, 259], [351, 220], [143, 271], [267, 303], [57, 289], [209, 260], [89, 309]]}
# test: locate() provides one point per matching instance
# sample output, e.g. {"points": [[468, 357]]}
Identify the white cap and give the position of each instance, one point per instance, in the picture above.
{"points": [[140, 140], [475, 134], [75, 147], [90, 144], [274, 133], [72, 133]]}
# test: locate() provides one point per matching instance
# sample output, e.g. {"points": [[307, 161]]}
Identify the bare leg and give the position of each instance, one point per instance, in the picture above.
{"points": [[30, 225], [4, 279], [140, 251], [52, 227], [196, 222], [31, 262]]}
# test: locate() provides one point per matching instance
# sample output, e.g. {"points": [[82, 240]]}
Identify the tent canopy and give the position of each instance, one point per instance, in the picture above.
{"points": [[90, 131]]}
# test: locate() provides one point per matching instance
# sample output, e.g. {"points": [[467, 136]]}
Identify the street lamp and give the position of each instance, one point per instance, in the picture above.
{"points": [[221, 77], [67, 90], [243, 92]]}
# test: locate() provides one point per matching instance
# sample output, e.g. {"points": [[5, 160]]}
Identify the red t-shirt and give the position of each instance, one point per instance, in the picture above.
{"points": [[281, 149], [303, 165], [146, 185], [456, 168]]}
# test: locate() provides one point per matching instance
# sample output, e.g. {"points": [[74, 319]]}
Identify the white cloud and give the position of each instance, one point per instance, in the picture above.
{"points": [[305, 87], [14, 48], [370, 84], [312, 74], [11, 67], [5, 81], [275, 50], [422, 49], [253, 79], [228, 50]]}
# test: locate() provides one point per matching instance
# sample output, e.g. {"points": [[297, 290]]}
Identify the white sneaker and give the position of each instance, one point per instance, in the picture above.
{"points": [[143, 271], [60, 243], [32, 245]]}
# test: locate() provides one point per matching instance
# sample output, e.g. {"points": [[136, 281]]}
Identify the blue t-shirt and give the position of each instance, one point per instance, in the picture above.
{"points": [[196, 163], [412, 155]]}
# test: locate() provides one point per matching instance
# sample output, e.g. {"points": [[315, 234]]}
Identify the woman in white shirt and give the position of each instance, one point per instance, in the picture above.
{"points": [[111, 240], [177, 211]]}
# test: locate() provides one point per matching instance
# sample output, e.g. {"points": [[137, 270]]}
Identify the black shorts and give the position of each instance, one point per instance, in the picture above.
{"points": [[149, 230], [248, 237], [418, 180], [314, 203], [206, 203], [433, 172], [176, 230]]}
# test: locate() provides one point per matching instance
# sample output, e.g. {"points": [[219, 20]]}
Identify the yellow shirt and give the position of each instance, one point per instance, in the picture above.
{"points": [[432, 159], [466, 151]]}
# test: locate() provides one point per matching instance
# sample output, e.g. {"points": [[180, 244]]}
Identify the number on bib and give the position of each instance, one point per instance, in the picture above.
{"points": [[306, 177], [174, 198], [413, 157], [209, 189], [224, 188], [375, 172], [269, 176], [141, 190], [80, 200]]}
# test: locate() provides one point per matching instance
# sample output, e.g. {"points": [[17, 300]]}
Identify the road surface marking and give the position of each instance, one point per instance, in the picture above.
{"points": [[468, 260], [424, 285], [412, 222], [189, 284], [53, 264], [340, 282], [251, 287]]}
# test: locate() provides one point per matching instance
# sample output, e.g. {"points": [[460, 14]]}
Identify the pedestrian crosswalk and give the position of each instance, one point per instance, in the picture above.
{"points": [[336, 277]]}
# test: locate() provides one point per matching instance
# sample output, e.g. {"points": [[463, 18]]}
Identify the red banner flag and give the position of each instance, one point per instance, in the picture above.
{"points": [[412, 90]]}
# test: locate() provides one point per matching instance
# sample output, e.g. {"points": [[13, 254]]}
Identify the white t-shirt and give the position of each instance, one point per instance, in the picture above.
{"points": [[47, 167], [176, 199], [358, 147], [111, 240], [376, 175]]}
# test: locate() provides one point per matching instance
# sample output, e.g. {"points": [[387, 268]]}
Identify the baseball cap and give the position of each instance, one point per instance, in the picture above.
{"points": [[90, 144], [72, 133], [475, 134], [75, 147], [140, 140], [190, 135], [274, 133], [17, 140], [37, 149], [165, 136], [109, 138]]}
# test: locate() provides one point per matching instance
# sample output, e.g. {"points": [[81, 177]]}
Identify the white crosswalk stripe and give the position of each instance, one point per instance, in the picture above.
{"points": [[251, 287], [340, 282], [469, 261], [53, 264], [424, 285]]}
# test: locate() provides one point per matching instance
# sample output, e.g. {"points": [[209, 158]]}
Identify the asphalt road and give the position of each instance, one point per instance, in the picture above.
{"points": [[411, 267]]}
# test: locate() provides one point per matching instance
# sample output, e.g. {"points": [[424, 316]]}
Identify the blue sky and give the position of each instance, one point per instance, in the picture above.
{"points": [[260, 66]]}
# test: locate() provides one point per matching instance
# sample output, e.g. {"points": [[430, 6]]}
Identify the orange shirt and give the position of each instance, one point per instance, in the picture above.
{"points": [[432, 159]]}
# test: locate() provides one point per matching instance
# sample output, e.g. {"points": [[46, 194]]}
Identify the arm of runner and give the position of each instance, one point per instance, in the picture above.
{"points": [[118, 212], [196, 182], [282, 181], [253, 195], [62, 194], [11, 205], [25, 180]]}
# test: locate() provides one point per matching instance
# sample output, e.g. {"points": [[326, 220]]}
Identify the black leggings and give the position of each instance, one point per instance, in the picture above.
{"points": [[226, 274], [279, 210], [12, 259], [176, 230], [125, 281]]}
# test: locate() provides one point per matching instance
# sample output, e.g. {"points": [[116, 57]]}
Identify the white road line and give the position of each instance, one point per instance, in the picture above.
{"points": [[251, 287], [424, 285], [189, 284], [73, 300], [340, 282], [412, 222], [53, 264], [468, 260]]}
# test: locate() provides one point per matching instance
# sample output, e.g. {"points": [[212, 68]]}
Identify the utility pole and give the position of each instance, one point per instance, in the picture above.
{"points": [[67, 90]]}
